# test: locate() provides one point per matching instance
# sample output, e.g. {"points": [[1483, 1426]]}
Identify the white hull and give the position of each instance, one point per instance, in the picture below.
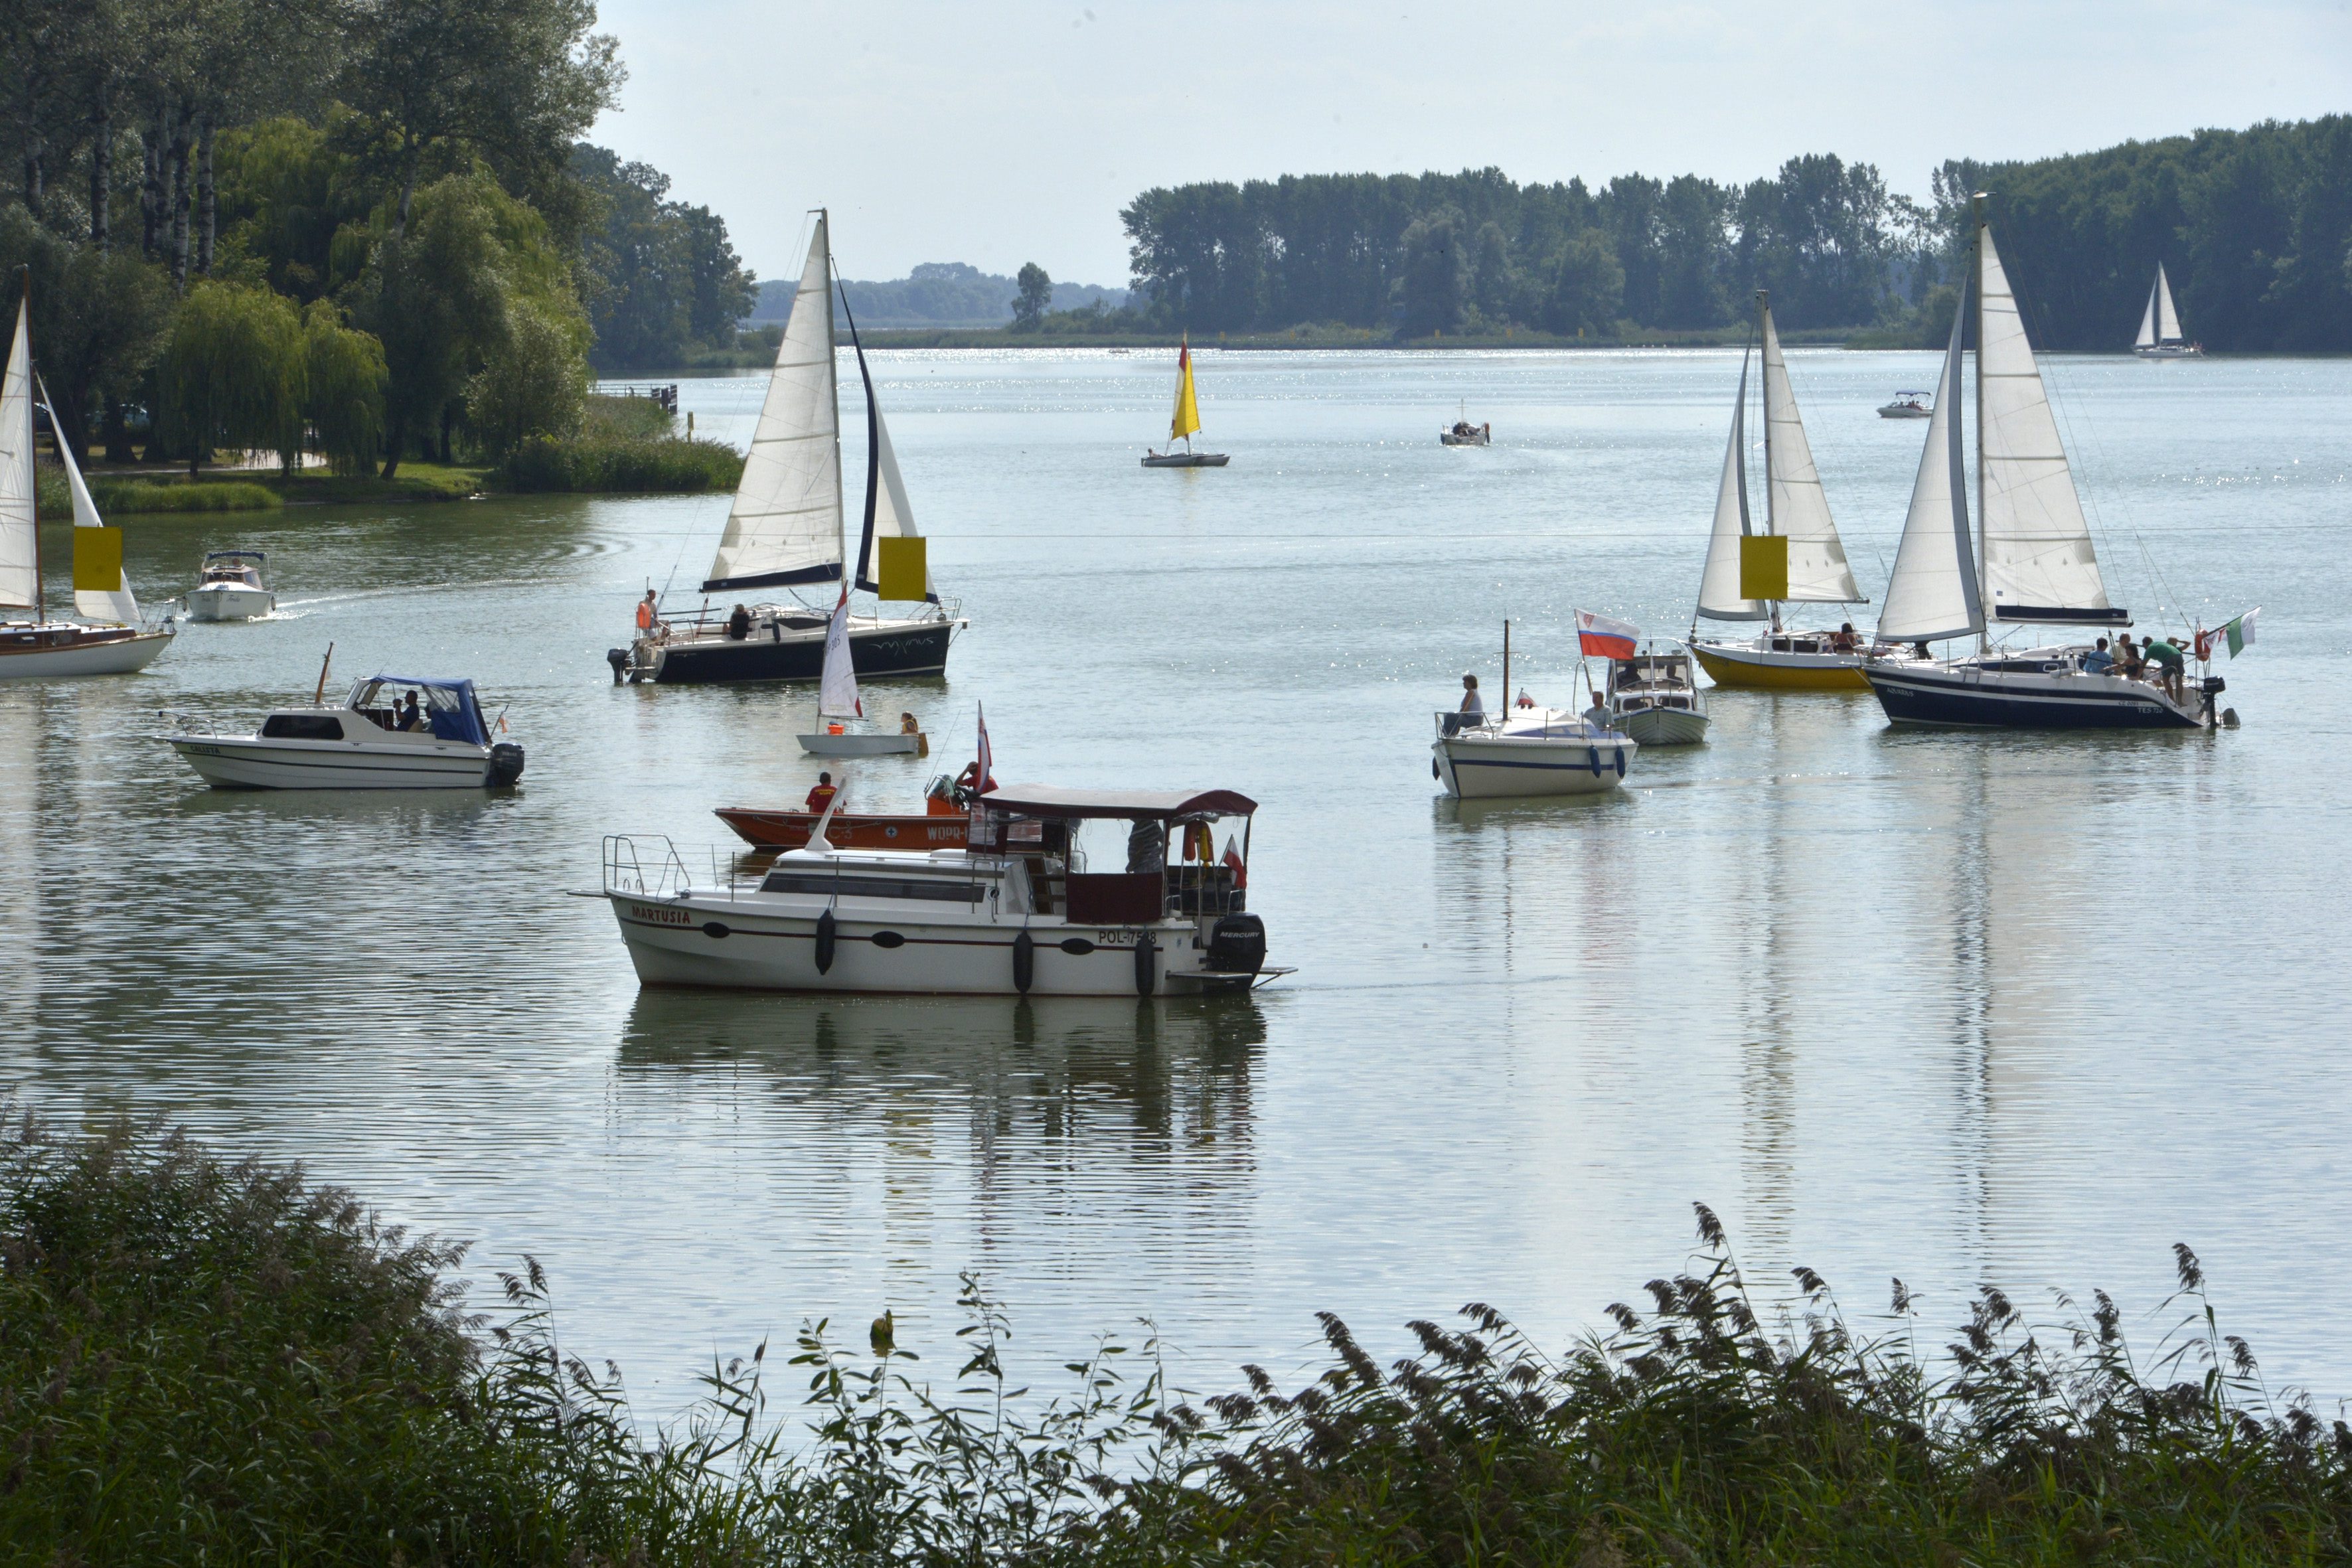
{"points": [[2170, 350], [1664, 726], [1186, 461], [21, 658], [862, 745], [1487, 765], [228, 762], [222, 602]]}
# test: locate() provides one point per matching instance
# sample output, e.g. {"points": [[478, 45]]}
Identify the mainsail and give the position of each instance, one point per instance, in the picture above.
{"points": [[1932, 592], [1798, 508], [2168, 320], [785, 526], [20, 557], [91, 604], [1187, 418], [837, 695], [1718, 583], [2038, 564]]}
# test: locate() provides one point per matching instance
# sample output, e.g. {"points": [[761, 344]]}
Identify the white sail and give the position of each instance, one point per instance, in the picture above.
{"points": [[2037, 545], [1932, 592], [2168, 320], [1818, 573], [2147, 338], [96, 605], [785, 526], [1718, 583], [20, 557], [837, 690], [888, 514]]}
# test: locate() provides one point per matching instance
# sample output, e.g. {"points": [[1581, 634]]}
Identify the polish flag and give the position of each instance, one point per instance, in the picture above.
{"points": [[987, 760], [1605, 638], [1234, 860]]}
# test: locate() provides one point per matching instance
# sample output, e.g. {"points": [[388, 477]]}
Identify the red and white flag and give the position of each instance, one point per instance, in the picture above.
{"points": [[1234, 863], [1605, 638], [983, 772]]}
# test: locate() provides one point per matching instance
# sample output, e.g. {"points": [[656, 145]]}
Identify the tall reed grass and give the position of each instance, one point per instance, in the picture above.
{"points": [[211, 1363]]}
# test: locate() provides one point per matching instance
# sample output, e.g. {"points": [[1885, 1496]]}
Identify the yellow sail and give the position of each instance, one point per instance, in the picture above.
{"points": [[1188, 411]]}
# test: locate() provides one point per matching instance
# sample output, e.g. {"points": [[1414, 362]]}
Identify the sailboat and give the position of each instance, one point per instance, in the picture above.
{"points": [[107, 639], [2030, 561], [1184, 423], [1797, 558], [787, 529], [838, 704], [2159, 326]]}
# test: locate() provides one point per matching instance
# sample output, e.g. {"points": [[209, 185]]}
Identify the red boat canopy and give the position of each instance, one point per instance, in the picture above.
{"points": [[1128, 805]]}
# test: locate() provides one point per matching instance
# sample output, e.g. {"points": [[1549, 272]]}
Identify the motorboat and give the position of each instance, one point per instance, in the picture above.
{"points": [[1184, 423], [1653, 696], [1461, 432], [1795, 558], [437, 738], [838, 707], [1014, 911], [108, 637], [229, 587], [786, 528], [849, 831], [2031, 565], [1527, 752], [2160, 336], [1907, 405]]}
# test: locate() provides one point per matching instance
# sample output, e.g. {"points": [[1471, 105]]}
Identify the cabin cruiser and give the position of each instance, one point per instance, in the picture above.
{"points": [[435, 738], [229, 587], [1013, 911], [1653, 696], [1528, 751]]}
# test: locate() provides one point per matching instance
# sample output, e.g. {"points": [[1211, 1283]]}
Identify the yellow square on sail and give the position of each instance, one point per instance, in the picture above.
{"points": [[98, 560], [1764, 566], [902, 570]]}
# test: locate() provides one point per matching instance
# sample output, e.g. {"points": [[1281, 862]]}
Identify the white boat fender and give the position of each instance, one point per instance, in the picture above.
{"points": [[824, 941], [1147, 954], [1025, 961]]}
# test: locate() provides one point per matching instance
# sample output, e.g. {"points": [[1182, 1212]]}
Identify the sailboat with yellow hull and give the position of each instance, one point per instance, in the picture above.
{"points": [[1796, 558], [1184, 423]]}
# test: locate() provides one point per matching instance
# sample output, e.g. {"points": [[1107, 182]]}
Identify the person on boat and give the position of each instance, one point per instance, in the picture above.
{"points": [[410, 717], [1843, 639], [2172, 663], [646, 613], [2098, 661], [1472, 704], [738, 624], [821, 794], [968, 782], [907, 725], [2129, 663]]}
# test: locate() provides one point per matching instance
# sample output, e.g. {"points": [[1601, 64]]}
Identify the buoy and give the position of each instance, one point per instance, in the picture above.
{"points": [[1025, 961], [1147, 954], [824, 941]]}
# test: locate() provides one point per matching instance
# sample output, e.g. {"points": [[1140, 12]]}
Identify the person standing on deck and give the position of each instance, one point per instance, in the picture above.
{"points": [[821, 794], [645, 614]]}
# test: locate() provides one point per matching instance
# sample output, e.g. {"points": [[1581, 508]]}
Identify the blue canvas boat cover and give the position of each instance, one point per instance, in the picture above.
{"points": [[450, 705]]}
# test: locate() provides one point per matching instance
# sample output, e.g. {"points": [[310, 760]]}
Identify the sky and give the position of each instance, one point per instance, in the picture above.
{"points": [[1001, 132]]}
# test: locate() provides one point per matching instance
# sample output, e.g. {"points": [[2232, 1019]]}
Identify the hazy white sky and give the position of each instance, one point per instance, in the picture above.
{"points": [[1010, 132]]}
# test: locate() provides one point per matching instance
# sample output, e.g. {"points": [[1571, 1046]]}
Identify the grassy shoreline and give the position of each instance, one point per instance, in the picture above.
{"points": [[211, 1361]]}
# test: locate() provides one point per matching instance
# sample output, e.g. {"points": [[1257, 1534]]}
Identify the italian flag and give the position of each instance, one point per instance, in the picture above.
{"points": [[2239, 634]]}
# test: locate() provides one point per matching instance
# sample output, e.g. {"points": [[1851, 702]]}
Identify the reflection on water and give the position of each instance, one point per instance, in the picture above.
{"points": [[1956, 1007]]}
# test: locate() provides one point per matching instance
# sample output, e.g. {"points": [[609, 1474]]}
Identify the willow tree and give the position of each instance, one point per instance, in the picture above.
{"points": [[536, 379], [344, 384], [233, 372]]}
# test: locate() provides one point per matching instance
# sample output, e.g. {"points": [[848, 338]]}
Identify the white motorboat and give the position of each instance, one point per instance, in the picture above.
{"points": [[229, 587], [1907, 405], [437, 739], [108, 639], [1655, 697], [787, 529], [2160, 336], [1015, 911], [1527, 752], [837, 706], [1184, 423]]}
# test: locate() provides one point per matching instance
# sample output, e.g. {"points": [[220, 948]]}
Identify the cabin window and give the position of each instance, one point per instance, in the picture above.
{"points": [[303, 727], [871, 887]]}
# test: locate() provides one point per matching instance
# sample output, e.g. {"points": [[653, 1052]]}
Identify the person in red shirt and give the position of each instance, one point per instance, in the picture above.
{"points": [[822, 794]]}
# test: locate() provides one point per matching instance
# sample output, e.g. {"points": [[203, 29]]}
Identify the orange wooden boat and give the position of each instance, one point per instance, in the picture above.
{"points": [[849, 831]]}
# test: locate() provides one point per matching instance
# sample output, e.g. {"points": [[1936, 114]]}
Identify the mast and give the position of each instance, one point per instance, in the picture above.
{"points": [[1764, 320], [32, 458], [824, 221], [1976, 211]]}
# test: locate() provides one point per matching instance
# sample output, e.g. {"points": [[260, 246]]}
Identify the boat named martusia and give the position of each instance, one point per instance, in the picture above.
{"points": [[1013, 911]]}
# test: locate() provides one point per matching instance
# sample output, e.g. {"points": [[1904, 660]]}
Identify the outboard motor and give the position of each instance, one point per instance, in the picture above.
{"points": [[1237, 945], [505, 763], [618, 657]]}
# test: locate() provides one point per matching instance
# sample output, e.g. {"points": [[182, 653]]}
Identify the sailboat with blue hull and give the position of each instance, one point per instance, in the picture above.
{"points": [[2030, 561]]}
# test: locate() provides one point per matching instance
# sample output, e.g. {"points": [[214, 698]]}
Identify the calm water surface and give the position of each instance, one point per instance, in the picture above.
{"points": [[1959, 1008]]}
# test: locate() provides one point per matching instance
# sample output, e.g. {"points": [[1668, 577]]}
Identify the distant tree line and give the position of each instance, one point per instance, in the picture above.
{"points": [[364, 227], [2253, 227], [936, 294]]}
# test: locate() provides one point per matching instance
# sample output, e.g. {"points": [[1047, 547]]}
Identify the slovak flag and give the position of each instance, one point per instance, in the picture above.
{"points": [[1605, 638]]}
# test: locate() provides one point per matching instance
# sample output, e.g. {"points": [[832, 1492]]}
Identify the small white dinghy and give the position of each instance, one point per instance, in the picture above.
{"points": [[229, 587], [837, 703], [437, 738]]}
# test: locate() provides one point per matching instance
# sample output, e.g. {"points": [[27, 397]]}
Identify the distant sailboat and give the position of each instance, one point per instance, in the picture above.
{"points": [[1184, 423], [37, 646], [1797, 558], [2159, 326]]}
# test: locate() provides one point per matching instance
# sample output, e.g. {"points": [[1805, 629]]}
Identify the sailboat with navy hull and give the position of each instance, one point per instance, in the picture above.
{"points": [[788, 529], [2029, 561]]}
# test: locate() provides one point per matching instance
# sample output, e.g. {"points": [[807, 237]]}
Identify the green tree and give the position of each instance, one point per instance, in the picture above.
{"points": [[535, 383], [435, 297], [1035, 297], [1435, 285], [98, 318], [1494, 281], [657, 277], [1587, 286], [344, 382], [232, 373]]}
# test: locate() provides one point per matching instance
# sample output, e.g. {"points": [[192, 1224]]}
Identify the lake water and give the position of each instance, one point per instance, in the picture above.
{"points": [[1953, 1007]]}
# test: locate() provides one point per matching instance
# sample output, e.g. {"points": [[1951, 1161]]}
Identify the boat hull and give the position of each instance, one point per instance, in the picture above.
{"points": [[790, 829], [1448, 438], [1503, 768], [222, 602], [1961, 697], [893, 648], [1186, 461], [2177, 352], [1664, 726], [847, 745], [1771, 669], [228, 762], [37, 653]]}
